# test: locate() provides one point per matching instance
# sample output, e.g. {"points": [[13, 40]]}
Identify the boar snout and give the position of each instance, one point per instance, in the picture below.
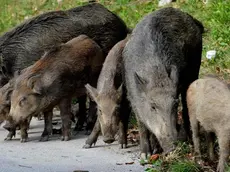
{"points": [[9, 126], [109, 139]]}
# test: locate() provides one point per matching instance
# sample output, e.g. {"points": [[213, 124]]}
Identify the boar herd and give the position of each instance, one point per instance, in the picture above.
{"points": [[88, 51]]}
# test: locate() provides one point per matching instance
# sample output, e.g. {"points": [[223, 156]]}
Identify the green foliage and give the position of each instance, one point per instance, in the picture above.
{"points": [[214, 16], [177, 161], [184, 166]]}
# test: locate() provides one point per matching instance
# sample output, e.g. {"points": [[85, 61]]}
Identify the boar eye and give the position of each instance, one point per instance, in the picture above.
{"points": [[153, 108], [23, 99]]}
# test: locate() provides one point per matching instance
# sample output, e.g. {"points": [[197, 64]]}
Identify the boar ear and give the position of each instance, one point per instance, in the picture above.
{"points": [[174, 75], [140, 82], [92, 92], [34, 84], [8, 95]]}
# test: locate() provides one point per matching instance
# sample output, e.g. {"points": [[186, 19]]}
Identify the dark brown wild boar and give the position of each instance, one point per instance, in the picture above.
{"points": [[110, 97], [209, 105], [53, 80]]}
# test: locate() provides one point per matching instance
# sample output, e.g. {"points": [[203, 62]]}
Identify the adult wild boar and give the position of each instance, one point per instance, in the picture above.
{"points": [[110, 97], [54, 79], [161, 59], [209, 105], [25, 44]]}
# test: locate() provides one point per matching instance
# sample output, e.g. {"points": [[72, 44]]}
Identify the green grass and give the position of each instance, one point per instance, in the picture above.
{"points": [[214, 16], [180, 160], [184, 166]]}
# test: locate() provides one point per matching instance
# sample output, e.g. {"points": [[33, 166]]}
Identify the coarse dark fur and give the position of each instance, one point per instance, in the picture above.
{"points": [[161, 59], [24, 44]]}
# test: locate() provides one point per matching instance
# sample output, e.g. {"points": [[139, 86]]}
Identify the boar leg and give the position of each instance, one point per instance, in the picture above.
{"points": [[122, 135], [190, 74], [65, 109], [23, 128], [123, 125], [144, 141], [11, 134], [92, 139], [195, 135], [185, 116], [92, 117], [48, 115], [81, 113], [210, 137], [155, 145], [223, 141]]}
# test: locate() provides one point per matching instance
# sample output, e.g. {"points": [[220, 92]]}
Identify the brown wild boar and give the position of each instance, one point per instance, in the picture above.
{"points": [[5, 94], [5, 97], [53, 80], [112, 106], [209, 105]]}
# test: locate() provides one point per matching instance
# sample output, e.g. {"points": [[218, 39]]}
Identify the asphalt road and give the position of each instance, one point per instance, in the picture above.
{"points": [[59, 156]]}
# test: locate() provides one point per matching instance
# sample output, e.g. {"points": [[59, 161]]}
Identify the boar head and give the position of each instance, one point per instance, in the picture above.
{"points": [[26, 98], [108, 110], [159, 103]]}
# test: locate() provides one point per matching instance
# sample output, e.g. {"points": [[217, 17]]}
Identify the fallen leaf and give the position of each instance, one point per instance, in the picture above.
{"points": [[154, 157], [129, 163], [24, 166]]}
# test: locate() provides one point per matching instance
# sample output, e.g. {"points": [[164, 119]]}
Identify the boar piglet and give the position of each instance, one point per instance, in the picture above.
{"points": [[161, 59], [5, 94], [112, 106], [54, 79], [209, 106], [5, 98]]}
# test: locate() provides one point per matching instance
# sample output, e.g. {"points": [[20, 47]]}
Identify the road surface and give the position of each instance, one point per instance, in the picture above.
{"points": [[59, 156]]}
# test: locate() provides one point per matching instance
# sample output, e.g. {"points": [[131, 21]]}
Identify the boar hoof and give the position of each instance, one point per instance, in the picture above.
{"points": [[145, 156], [65, 138], [87, 146], [44, 138], [8, 138], [23, 140], [123, 146]]}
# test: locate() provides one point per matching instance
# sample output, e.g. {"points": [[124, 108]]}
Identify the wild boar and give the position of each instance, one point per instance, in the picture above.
{"points": [[54, 79], [5, 97], [161, 59], [26, 43], [111, 101], [209, 106]]}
